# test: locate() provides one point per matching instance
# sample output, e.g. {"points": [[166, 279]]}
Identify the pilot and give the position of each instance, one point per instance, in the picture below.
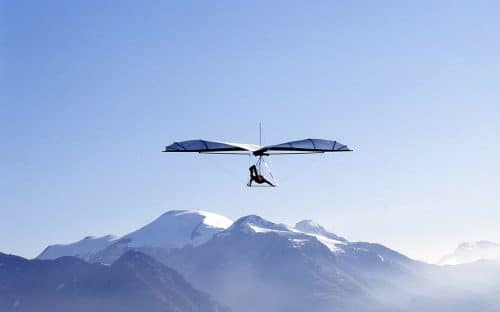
{"points": [[258, 178]]}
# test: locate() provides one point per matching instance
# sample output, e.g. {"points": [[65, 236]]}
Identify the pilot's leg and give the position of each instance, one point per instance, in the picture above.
{"points": [[253, 171], [265, 180], [252, 174]]}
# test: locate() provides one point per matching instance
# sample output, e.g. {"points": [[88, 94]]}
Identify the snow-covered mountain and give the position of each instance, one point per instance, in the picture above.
{"points": [[84, 249], [472, 251], [255, 264], [173, 229], [303, 267], [180, 228]]}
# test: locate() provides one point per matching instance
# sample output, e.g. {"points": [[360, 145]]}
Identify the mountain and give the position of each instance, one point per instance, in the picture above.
{"points": [[252, 257], [173, 229], [135, 282], [471, 252], [258, 265], [288, 269], [255, 264], [84, 249]]}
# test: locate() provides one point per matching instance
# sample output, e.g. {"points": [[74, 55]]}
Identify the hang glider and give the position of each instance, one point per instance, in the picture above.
{"points": [[307, 146], [260, 172]]}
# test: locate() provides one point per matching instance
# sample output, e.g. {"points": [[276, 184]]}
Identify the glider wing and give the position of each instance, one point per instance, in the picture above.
{"points": [[306, 146], [203, 146]]}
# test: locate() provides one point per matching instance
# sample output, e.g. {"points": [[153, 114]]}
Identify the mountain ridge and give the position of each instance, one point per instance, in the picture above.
{"points": [[468, 252], [134, 282], [172, 229]]}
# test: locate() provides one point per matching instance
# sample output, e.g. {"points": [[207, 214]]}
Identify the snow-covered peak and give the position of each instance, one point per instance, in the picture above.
{"points": [[256, 224], [209, 218], [311, 227], [178, 228], [309, 224], [83, 248], [472, 251], [253, 224]]}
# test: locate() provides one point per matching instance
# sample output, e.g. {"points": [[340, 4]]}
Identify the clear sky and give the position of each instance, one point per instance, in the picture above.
{"points": [[92, 91]]}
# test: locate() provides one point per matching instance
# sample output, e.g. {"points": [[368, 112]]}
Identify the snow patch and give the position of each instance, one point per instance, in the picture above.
{"points": [[211, 219], [297, 243], [258, 229], [332, 244]]}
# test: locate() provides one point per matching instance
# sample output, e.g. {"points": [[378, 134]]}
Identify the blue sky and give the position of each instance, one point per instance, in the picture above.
{"points": [[91, 91]]}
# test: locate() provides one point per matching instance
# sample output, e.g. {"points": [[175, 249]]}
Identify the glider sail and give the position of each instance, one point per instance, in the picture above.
{"points": [[202, 146], [303, 147], [306, 146], [260, 172]]}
